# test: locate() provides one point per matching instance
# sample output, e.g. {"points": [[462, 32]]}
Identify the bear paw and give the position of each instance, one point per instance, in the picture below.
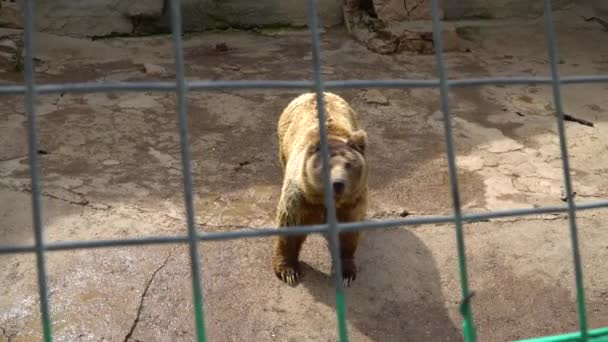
{"points": [[349, 272], [288, 274]]}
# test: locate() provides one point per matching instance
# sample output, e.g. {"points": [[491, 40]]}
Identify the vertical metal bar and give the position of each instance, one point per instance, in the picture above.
{"points": [[30, 100], [313, 21], [176, 28], [468, 327], [563, 144]]}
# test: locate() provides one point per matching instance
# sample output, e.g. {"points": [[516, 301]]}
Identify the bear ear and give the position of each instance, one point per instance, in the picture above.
{"points": [[358, 141]]}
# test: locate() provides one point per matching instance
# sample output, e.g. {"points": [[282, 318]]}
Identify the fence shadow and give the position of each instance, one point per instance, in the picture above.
{"points": [[397, 295]]}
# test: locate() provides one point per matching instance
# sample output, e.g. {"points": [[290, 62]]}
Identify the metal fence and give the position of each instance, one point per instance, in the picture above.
{"points": [[332, 227]]}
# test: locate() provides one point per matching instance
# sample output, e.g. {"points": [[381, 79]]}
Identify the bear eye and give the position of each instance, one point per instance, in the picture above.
{"points": [[347, 165]]}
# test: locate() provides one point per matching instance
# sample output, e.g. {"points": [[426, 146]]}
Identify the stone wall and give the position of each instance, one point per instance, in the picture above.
{"points": [[397, 26], [120, 17], [496, 9], [203, 14], [600, 7], [94, 17], [401, 10]]}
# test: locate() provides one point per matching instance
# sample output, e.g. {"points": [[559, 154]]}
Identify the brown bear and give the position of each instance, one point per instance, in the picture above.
{"points": [[302, 196]]}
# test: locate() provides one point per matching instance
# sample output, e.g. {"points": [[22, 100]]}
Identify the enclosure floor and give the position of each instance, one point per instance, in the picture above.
{"points": [[112, 169]]}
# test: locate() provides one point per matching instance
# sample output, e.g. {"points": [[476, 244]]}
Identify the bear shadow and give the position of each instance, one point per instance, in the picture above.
{"points": [[397, 294]]}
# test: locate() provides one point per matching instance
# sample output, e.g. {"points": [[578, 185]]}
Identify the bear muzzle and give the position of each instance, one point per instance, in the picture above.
{"points": [[339, 186]]}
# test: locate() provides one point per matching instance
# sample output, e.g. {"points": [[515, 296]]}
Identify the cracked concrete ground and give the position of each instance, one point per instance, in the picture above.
{"points": [[111, 169]]}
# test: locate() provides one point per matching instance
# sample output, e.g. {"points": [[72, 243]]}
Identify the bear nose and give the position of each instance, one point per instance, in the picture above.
{"points": [[338, 187]]}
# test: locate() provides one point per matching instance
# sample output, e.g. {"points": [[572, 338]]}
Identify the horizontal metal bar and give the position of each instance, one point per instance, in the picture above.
{"points": [[157, 240], [395, 83], [370, 225], [93, 87], [600, 334], [83, 244], [265, 232], [310, 229], [250, 84], [526, 80], [459, 83], [534, 211]]}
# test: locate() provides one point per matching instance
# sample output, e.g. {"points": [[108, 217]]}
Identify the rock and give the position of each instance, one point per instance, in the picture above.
{"points": [[253, 71], [7, 45], [401, 10], [230, 67], [402, 36], [209, 14], [221, 47], [471, 163], [325, 70], [249, 71], [110, 162], [382, 46], [491, 160], [374, 96], [100, 206], [453, 42], [594, 107], [502, 146], [437, 116], [96, 17], [418, 37], [6, 60], [154, 70], [10, 16], [421, 43], [563, 197]]}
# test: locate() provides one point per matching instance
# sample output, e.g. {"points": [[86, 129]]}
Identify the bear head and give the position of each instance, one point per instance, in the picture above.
{"points": [[348, 166]]}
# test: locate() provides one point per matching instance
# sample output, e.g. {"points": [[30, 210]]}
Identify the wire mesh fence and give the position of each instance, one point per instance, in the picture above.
{"points": [[332, 227]]}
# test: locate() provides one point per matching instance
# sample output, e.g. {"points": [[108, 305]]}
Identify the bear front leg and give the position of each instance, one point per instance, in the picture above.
{"points": [[286, 249], [285, 258], [348, 247], [350, 240]]}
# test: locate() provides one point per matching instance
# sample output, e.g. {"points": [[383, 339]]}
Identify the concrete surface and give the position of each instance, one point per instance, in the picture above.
{"points": [[112, 170]]}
